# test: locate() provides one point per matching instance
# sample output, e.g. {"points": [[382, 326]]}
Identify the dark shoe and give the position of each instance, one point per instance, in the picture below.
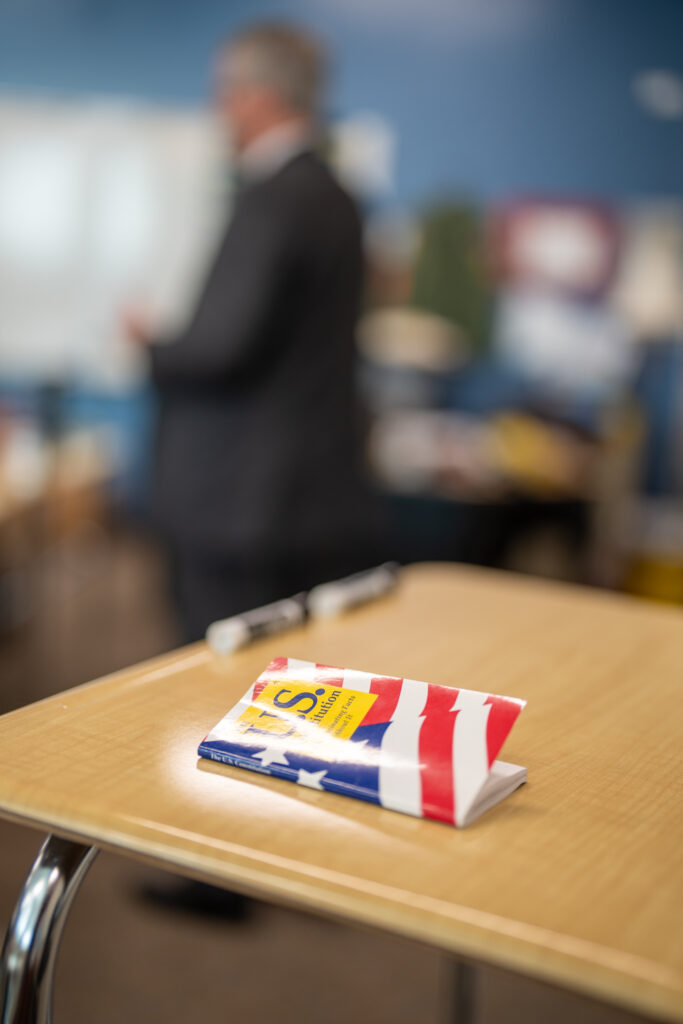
{"points": [[198, 898]]}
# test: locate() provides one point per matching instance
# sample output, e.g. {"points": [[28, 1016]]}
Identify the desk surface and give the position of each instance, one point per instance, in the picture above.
{"points": [[576, 878]]}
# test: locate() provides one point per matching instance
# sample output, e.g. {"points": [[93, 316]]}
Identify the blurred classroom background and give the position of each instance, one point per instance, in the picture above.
{"points": [[519, 164]]}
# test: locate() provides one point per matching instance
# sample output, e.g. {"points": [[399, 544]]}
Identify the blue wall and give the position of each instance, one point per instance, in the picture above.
{"points": [[487, 96]]}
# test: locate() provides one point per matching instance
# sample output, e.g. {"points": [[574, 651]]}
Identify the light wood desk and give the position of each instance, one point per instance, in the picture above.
{"points": [[577, 878]]}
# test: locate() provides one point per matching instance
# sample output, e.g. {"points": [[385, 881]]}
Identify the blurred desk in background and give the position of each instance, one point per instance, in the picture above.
{"points": [[63, 481], [576, 878], [53, 497], [525, 493]]}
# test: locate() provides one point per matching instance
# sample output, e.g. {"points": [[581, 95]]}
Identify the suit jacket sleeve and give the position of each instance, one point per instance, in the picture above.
{"points": [[228, 332]]}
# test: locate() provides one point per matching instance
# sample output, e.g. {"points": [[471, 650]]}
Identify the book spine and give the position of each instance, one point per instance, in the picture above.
{"points": [[234, 759]]}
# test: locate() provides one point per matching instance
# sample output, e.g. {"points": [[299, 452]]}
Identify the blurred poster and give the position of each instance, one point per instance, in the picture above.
{"points": [[564, 245]]}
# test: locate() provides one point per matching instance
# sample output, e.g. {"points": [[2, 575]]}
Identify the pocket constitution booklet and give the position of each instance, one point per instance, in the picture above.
{"points": [[409, 746]]}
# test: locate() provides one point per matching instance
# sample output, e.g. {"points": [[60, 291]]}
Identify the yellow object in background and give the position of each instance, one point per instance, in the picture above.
{"points": [[655, 567], [656, 578], [538, 457]]}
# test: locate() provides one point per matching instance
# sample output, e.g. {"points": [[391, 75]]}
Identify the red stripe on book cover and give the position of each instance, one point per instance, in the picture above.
{"points": [[388, 690], [277, 667], [436, 754], [323, 675], [502, 717]]}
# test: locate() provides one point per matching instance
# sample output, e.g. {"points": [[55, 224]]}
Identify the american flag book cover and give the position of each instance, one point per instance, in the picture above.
{"points": [[420, 748]]}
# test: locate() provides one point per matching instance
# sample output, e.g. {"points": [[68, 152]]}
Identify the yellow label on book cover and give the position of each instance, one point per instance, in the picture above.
{"points": [[293, 709]]}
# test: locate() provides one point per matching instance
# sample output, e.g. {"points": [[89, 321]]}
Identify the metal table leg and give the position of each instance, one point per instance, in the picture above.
{"points": [[32, 941], [460, 992]]}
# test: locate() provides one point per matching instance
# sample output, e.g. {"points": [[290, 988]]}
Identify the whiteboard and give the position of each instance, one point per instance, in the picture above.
{"points": [[102, 205]]}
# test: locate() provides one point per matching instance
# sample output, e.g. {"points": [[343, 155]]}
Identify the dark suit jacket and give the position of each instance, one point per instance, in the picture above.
{"points": [[258, 433]]}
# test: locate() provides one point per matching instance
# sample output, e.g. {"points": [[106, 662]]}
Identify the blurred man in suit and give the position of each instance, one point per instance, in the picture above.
{"points": [[258, 485]]}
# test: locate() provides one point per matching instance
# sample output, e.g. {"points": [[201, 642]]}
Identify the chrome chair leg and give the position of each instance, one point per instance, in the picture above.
{"points": [[30, 949]]}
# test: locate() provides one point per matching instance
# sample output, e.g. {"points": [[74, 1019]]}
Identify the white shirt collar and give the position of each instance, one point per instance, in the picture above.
{"points": [[267, 154]]}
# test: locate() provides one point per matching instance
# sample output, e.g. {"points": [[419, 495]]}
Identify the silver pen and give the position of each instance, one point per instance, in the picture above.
{"points": [[322, 602]]}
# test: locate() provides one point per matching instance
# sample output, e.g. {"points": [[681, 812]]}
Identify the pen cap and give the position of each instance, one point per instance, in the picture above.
{"points": [[228, 635]]}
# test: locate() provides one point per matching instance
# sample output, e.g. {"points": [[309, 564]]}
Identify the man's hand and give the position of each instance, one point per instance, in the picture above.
{"points": [[137, 325]]}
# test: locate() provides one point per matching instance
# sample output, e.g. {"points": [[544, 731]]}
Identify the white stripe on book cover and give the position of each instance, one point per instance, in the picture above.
{"points": [[356, 680], [470, 752], [400, 787], [307, 671]]}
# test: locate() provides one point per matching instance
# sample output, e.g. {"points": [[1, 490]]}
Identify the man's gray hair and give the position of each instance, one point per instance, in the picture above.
{"points": [[288, 59]]}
